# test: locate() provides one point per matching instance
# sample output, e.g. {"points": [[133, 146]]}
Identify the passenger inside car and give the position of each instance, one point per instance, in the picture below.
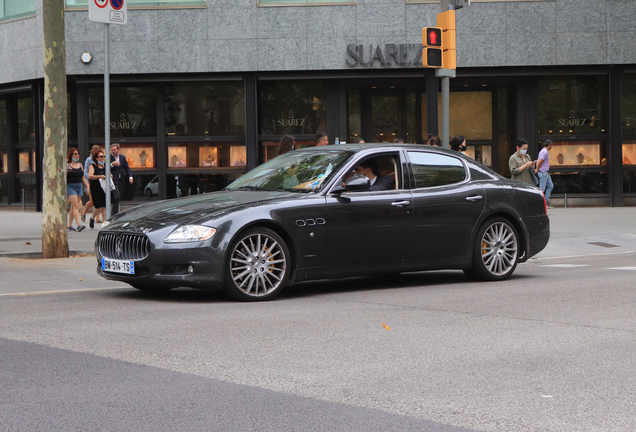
{"points": [[371, 169]]}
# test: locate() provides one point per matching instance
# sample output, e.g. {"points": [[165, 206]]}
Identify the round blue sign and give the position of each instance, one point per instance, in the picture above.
{"points": [[117, 4]]}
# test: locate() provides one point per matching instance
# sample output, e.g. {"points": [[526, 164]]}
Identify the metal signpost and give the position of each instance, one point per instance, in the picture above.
{"points": [[107, 12], [447, 73]]}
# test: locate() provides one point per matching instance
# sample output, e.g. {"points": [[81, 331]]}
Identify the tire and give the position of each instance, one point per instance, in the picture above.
{"points": [[258, 265], [496, 251], [150, 289], [148, 193]]}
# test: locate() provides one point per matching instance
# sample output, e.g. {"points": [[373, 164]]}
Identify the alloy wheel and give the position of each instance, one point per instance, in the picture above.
{"points": [[258, 265], [499, 249]]}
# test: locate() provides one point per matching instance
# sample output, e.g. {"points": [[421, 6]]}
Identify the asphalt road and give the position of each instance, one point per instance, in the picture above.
{"points": [[549, 350]]}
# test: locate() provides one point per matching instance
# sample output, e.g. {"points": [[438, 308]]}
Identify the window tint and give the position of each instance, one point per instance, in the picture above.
{"points": [[435, 169]]}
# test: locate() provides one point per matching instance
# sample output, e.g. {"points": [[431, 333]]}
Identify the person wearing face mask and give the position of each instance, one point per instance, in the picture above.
{"points": [[458, 143], [520, 164], [74, 180], [96, 172]]}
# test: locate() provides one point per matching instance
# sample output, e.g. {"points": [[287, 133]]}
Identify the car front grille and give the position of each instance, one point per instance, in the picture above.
{"points": [[128, 247]]}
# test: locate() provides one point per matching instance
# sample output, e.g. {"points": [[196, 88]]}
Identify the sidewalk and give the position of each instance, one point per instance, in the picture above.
{"points": [[21, 236], [574, 231]]}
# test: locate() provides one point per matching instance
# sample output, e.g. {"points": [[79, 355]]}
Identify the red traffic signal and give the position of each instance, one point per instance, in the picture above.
{"points": [[432, 37]]}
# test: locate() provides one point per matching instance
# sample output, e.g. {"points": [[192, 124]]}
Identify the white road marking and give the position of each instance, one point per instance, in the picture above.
{"points": [[622, 268], [564, 265], [62, 292]]}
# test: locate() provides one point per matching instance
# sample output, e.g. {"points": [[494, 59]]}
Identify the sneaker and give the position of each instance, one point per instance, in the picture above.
{"points": [[91, 223], [71, 228], [81, 228], [550, 207]]}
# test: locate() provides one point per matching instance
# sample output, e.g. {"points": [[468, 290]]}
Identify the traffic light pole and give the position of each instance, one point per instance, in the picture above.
{"points": [[446, 75]]}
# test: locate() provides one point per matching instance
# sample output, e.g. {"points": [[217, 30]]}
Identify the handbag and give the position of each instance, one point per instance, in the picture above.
{"points": [[102, 183], [535, 179]]}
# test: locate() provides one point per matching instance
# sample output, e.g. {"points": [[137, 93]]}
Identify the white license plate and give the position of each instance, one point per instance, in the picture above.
{"points": [[117, 266]]}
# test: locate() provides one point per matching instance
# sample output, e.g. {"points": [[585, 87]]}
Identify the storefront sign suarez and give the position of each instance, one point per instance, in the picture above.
{"points": [[372, 55], [123, 123], [291, 120], [573, 121]]}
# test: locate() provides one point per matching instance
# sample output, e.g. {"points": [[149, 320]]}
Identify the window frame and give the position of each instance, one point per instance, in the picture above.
{"points": [[204, 5], [321, 3], [4, 19]]}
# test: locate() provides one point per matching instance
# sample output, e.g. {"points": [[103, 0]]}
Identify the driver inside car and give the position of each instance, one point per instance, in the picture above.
{"points": [[370, 169]]}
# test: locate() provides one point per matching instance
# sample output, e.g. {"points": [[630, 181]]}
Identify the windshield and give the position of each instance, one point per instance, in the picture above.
{"points": [[298, 171]]}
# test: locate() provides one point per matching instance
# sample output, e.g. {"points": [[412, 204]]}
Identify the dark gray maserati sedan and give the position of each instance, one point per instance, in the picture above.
{"points": [[330, 212]]}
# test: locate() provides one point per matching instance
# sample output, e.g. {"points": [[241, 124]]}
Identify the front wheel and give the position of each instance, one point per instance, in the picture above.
{"points": [[258, 265], [496, 251]]}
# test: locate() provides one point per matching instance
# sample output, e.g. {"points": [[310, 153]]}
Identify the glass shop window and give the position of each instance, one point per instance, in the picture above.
{"points": [[132, 4], [629, 104], [26, 124], [569, 154], [179, 185], [629, 152], [12, 9], [139, 156], [4, 127], [133, 112], [4, 167], [26, 160], [292, 107], [197, 155], [269, 148], [205, 110], [470, 114], [572, 106]]}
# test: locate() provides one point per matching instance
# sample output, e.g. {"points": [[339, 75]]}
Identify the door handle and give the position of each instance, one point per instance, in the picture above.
{"points": [[474, 198], [400, 203]]}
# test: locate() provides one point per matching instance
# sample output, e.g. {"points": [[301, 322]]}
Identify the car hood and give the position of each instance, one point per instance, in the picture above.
{"points": [[192, 209]]}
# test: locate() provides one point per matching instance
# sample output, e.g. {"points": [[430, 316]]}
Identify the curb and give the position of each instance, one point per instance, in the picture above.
{"points": [[38, 255]]}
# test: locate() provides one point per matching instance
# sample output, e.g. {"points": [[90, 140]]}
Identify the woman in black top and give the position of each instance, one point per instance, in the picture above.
{"points": [[74, 180], [97, 172]]}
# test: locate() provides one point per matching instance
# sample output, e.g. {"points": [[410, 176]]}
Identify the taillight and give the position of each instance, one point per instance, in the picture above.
{"points": [[545, 204]]}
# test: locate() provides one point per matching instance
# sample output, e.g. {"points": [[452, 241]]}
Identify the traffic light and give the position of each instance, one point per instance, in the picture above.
{"points": [[432, 41], [446, 22]]}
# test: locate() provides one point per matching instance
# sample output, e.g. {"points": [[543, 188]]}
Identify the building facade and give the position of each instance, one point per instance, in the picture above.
{"points": [[202, 91]]}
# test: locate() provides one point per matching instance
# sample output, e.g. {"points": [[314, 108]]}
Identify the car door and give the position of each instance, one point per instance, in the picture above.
{"points": [[446, 206], [370, 229]]}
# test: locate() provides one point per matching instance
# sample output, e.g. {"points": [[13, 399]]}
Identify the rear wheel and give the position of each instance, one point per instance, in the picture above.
{"points": [[496, 250], [148, 193], [258, 265]]}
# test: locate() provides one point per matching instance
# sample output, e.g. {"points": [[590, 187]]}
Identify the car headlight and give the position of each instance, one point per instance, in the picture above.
{"points": [[105, 224], [190, 233]]}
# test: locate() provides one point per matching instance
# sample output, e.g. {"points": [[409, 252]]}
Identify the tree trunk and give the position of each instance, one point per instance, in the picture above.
{"points": [[54, 199]]}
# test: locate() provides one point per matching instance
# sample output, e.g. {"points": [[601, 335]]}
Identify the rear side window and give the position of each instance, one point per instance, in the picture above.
{"points": [[436, 170]]}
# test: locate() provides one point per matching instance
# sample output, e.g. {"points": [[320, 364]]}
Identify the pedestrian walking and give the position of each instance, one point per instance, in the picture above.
{"points": [[520, 163], [119, 169], [542, 170], [458, 143], [97, 172], [285, 145], [87, 163], [74, 180]]}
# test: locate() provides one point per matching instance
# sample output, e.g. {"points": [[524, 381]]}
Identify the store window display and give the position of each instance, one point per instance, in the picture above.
{"points": [[577, 153], [197, 155]]}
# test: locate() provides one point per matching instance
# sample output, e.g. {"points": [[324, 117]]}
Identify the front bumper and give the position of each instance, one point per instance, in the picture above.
{"points": [[167, 267]]}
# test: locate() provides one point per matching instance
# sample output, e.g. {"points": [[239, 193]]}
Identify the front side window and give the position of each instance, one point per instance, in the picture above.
{"points": [[296, 171], [83, 4], [12, 9], [436, 170]]}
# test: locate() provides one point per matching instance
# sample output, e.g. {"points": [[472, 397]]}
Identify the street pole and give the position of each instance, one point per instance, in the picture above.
{"points": [[107, 121], [446, 75], [54, 217]]}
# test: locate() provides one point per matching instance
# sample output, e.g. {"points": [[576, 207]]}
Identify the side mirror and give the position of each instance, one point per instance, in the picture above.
{"points": [[357, 182]]}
